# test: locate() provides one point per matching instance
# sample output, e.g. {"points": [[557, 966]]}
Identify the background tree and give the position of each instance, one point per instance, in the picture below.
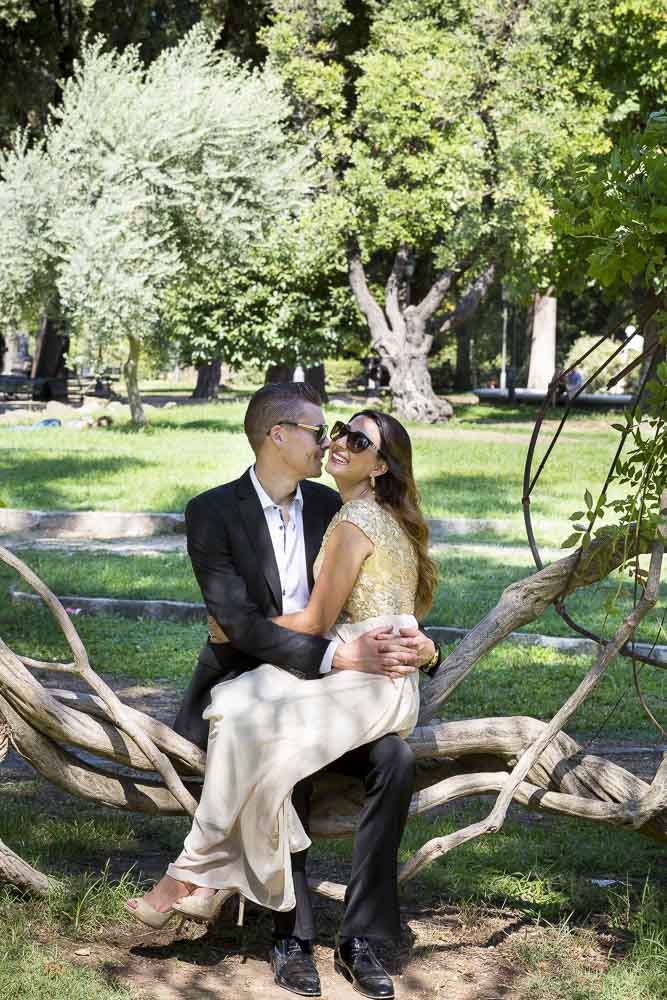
{"points": [[444, 132], [284, 300], [142, 173], [441, 131]]}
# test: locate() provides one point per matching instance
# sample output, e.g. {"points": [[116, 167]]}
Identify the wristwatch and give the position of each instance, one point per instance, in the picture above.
{"points": [[432, 665]]}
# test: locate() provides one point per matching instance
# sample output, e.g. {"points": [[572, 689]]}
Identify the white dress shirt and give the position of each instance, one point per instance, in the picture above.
{"points": [[289, 547]]}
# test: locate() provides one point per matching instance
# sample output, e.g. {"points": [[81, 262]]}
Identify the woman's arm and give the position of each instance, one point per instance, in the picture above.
{"points": [[347, 549]]}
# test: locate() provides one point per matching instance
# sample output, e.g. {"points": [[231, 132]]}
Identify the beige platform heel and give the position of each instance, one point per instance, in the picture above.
{"points": [[145, 914], [204, 910]]}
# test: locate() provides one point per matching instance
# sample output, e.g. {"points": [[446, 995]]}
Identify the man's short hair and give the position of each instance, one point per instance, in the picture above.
{"points": [[274, 402]]}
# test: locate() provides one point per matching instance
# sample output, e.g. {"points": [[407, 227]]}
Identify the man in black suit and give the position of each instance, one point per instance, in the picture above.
{"points": [[252, 543]]}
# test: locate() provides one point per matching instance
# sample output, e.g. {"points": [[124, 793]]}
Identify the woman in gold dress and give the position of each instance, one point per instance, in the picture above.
{"points": [[270, 729]]}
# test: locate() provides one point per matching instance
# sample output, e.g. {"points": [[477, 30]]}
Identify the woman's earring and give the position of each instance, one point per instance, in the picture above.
{"points": [[373, 482]]}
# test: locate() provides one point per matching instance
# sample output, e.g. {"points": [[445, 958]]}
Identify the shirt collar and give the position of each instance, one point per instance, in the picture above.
{"points": [[264, 498]]}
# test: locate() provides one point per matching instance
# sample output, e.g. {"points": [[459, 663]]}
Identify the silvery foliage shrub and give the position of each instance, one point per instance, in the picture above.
{"points": [[140, 173]]}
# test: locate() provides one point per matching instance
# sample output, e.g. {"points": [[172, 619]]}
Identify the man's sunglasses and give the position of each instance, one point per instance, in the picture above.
{"points": [[321, 431], [357, 441]]}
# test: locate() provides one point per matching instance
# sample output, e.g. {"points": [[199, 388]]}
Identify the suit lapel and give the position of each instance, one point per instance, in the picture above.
{"points": [[257, 530], [313, 530]]}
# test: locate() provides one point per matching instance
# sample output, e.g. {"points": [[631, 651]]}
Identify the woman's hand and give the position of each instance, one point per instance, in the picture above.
{"points": [[379, 651]]}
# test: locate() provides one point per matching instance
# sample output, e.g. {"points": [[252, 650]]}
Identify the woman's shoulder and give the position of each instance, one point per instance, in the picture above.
{"points": [[365, 514]]}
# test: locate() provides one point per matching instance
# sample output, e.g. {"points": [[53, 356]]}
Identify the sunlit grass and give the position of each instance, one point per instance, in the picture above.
{"points": [[465, 469]]}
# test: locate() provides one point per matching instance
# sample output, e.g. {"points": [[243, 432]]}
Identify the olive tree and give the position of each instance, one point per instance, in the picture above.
{"points": [[141, 174]]}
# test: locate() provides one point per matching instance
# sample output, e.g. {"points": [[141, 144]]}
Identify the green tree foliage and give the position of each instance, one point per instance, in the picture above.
{"points": [[613, 230], [444, 130], [284, 300], [143, 176], [615, 219], [39, 44]]}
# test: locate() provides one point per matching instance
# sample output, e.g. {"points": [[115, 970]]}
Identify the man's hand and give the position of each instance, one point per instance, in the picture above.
{"points": [[379, 652], [424, 648]]}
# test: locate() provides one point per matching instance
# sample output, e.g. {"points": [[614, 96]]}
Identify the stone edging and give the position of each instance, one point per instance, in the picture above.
{"points": [[90, 523], [180, 611], [184, 611], [130, 524]]}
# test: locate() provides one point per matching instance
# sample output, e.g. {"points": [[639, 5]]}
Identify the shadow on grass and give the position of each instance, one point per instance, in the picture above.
{"points": [[42, 475], [165, 423], [478, 496]]}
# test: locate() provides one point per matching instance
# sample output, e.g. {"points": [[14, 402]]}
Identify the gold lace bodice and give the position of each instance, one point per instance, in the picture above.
{"points": [[387, 580]]}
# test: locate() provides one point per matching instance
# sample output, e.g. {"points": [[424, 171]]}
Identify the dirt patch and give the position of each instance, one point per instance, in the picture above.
{"points": [[437, 956]]}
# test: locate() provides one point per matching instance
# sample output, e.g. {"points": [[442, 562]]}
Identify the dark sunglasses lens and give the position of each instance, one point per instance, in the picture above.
{"points": [[358, 441], [339, 430], [322, 432]]}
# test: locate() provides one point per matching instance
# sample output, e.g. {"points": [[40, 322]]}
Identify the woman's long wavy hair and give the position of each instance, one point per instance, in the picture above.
{"points": [[397, 490]]}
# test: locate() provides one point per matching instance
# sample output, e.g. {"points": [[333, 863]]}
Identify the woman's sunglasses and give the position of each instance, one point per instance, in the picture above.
{"points": [[357, 441]]}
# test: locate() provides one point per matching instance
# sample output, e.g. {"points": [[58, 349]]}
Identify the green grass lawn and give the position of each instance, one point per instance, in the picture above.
{"points": [[469, 468]]}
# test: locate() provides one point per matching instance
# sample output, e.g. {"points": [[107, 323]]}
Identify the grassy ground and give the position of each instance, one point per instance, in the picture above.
{"points": [[470, 468], [540, 869], [543, 873]]}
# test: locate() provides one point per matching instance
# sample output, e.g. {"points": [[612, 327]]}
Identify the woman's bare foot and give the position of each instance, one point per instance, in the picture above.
{"points": [[163, 895]]}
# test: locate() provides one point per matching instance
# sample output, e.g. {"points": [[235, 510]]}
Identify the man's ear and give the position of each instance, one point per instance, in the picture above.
{"points": [[276, 434]]}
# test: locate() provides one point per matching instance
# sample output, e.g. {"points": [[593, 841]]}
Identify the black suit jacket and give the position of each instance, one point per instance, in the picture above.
{"points": [[233, 559]]}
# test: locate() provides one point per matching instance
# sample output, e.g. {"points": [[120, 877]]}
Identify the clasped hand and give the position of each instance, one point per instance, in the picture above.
{"points": [[381, 651]]}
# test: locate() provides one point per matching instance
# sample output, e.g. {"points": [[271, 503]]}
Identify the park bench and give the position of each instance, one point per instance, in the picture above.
{"points": [[72, 389]]}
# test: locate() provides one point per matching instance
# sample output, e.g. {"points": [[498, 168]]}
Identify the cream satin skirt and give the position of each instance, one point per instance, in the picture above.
{"points": [[269, 730]]}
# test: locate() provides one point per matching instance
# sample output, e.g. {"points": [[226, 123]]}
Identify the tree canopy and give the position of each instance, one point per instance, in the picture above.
{"points": [[142, 174], [445, 131]]}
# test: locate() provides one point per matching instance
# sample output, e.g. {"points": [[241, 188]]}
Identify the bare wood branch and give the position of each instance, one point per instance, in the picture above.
{"points": [[178, 748], [19, 873], [62, 723], [64, 668], [523, 602], [159, 761], [377, 322], [443, 284], [69, 772], [392, 289], [439, 846]]}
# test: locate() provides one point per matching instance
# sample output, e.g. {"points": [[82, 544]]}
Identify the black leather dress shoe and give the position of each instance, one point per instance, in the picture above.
{"points": [[355, 960], [294, 968]]}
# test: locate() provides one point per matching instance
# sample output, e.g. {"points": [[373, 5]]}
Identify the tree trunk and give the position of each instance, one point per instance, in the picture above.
{"points": [[208, 380], [315, 375], [412, 393], [651, 330], [399, 335], [131, 373], [542, 343], [49, 360], [463, 376]]}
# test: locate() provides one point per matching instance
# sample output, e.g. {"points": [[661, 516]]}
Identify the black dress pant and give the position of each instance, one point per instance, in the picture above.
{"points": [[387, 768]]}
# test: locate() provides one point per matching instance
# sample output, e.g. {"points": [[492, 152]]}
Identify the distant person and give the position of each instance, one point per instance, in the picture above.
{"points": [[573, 382]]}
